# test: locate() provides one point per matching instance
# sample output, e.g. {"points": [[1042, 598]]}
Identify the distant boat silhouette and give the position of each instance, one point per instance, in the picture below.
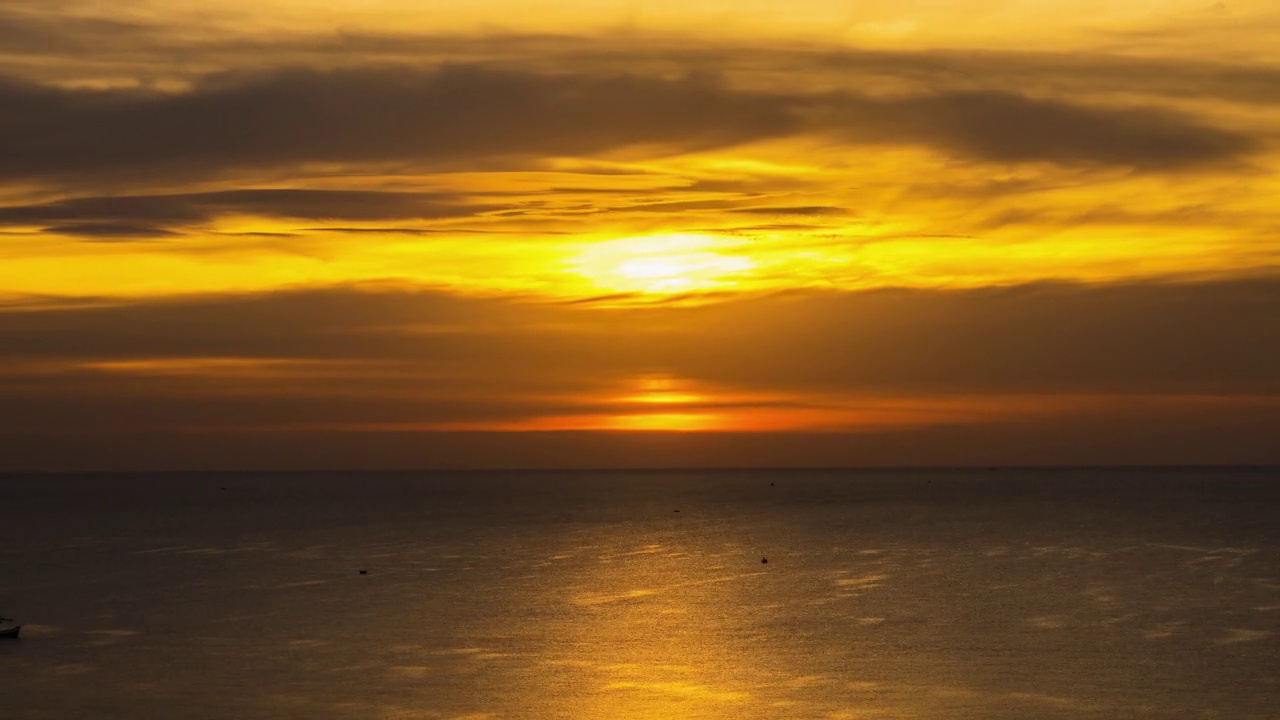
{"points": [[8, 629]]}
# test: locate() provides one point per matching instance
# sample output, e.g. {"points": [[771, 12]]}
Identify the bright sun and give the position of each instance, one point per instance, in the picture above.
{"points": [[661, 264]]}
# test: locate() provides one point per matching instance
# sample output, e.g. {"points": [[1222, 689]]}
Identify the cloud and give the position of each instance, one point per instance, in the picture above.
{"points": [[1008, 127], [1222, 437], [51, 41], [110, 231], [472, 115], [1213, 337], [365, 116], [1063, 74], [1157, 338], [125, 214], [51, 33], [793, 210], [1184, 367]]}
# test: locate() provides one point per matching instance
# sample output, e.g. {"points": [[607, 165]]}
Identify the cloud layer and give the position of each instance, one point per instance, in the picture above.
{"points": [[1140, 359], [295, 117], [455, 113], [1155, 339]]}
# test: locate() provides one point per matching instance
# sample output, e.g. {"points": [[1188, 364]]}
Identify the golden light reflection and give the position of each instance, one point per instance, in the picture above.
{"points": [[649, 639]]}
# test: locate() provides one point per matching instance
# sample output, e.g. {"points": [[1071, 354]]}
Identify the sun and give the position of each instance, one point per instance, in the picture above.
{"points": [[677, 263]]}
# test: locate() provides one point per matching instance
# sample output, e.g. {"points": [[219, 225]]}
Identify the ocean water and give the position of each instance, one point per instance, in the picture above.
{"points": [[1003, 594]]}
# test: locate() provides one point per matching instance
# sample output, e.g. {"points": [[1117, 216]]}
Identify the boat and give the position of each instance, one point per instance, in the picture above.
{"points": [[9, 630]]}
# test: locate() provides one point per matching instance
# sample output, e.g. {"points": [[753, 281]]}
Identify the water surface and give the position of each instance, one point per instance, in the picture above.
{"points": [[909, 594]]}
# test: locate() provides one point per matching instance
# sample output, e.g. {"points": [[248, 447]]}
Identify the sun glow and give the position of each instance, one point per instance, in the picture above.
{"points": [[662, 390], [675, 263], [669, 393]]}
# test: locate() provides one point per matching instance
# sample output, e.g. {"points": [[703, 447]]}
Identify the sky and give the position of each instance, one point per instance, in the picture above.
{"points": [[313, 234]]}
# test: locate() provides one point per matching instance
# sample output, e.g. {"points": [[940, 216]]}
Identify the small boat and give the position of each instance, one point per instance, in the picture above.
{"points": [[9, 630]]}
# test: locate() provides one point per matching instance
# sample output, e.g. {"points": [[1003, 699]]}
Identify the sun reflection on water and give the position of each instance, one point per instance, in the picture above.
{"points": [[659, 642]]}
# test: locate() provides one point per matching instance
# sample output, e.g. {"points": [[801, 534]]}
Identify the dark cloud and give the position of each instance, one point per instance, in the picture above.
{"points": [[51, 42], [124, 215], [339, 204], [793, 210], [1179, 372], [470, 114], [110, 231], [1111, 214], [1008, 127], [90, 402], [1222, 436], [1063, 74], [441, 333], [400, 115], [392, 230], [27, 30], [1213, 337]]}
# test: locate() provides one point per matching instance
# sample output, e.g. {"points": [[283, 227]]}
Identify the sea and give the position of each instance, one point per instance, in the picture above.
{"points": [[993, 594]]}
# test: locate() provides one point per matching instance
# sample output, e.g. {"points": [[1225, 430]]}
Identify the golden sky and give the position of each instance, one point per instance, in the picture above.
{"points": [[409, 233]]}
